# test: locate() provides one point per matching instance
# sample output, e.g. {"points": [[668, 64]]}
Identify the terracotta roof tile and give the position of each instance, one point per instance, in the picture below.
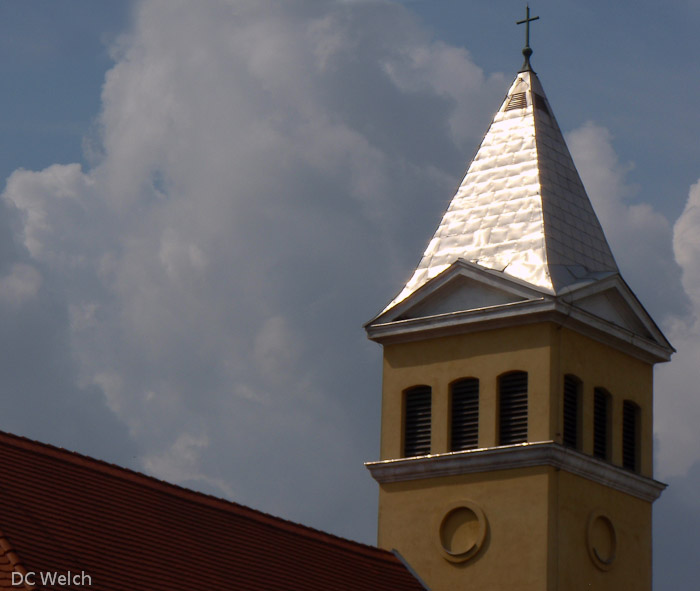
{"points": [[60, 511], [9, 563]]}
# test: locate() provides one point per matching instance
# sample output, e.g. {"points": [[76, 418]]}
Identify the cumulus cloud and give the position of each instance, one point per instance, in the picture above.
{"points": [[640, 236], [21, 283], [659, 261], [264, 176], [678, 398], [686, 244], [253, 162], [50, 200]]}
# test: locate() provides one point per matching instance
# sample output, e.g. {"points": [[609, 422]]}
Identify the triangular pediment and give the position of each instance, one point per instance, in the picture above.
{"points": [[462, 287], [613, 301], [467, 297], [611, 306], [461, 294]]}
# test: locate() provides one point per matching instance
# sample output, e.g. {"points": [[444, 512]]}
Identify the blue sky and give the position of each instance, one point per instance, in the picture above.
{"points": [[55, 56], [628, 65], [204, 202]]}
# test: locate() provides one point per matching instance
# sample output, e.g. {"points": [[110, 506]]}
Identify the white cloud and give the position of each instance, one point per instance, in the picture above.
{"points": [[255, 161], [22, 283], [182, 463], [640, 236], [276, 351], [686, 244], [49, 199], [662, 263], [677, 410]]}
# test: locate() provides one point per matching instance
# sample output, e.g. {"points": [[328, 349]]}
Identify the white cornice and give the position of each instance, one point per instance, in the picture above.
{"points": [[525, 455], [416, 328], [512, 314]]}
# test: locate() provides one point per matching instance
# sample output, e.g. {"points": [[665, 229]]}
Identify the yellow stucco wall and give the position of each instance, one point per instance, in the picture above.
{"points": [[538, 517], [514, 555], [576, 499], [485, 355], [537, 536], [623, 376], [547, 352]]}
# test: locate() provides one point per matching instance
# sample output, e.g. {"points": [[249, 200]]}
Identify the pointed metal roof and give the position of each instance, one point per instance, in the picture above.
{"points": [[521, 208]]}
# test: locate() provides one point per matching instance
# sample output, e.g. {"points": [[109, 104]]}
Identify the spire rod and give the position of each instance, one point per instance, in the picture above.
{"points": [[527, 50]]}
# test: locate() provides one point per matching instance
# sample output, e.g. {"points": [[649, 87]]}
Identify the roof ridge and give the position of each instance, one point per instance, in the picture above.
{"points": [[140, 478]]}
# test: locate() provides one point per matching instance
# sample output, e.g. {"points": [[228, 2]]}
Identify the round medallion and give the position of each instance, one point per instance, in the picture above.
{"points": [[602, 540], [462, 531]]}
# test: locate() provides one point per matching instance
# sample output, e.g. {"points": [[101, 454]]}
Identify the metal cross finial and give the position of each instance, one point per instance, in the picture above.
{"points": [[527, 51]]}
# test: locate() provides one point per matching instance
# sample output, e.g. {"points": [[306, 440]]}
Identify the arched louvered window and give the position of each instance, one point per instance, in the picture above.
{"points": [[512, 396], [417, 421], [572, 411], [630, 435], [601, 424], [465, 414]]}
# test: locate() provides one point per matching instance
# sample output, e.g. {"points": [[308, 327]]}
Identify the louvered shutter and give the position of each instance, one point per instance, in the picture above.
{"points": [[465, 414], [418, 417], [572, 388], [517, 101], [601, 424], [630, 434], [512, 390]]}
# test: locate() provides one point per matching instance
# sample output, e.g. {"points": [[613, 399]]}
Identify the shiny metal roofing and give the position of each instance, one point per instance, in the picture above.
{"points": [[521, 208]]}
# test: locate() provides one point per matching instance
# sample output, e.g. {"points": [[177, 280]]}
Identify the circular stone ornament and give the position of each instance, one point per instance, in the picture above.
{"points": [[601, 540], [462, 531]]}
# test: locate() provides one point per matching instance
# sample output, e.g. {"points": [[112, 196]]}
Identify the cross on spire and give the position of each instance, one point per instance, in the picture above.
{"points": [[527, 51]]}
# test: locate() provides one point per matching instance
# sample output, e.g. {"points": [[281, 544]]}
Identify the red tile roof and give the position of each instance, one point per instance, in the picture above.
{"points": [[61, 511]]}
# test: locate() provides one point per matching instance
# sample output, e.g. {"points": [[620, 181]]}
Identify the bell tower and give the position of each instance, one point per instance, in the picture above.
{"points": [[516, 444]]}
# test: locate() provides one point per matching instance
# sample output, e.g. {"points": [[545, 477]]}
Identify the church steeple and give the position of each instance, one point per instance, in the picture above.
{"points": [[521, 209], [517, 396]]}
